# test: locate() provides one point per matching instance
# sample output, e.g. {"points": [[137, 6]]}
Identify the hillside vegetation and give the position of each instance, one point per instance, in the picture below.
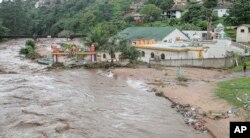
{"points": [[89, 16]]}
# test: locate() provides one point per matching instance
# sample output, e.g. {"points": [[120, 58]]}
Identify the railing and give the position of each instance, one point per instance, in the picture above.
{"points": [[38, 36], [242, 46]]}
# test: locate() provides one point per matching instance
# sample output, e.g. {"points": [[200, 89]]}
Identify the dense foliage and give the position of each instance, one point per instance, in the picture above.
{"points": [[239, 13], [151, 11], [163, 4], [100, 19], [71, 17]]}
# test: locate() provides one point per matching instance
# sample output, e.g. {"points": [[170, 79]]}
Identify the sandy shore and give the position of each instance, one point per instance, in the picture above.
{"points": [[198, 91]]}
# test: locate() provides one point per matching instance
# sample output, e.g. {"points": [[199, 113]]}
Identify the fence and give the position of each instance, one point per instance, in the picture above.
{"points": [[203, 63], [242, 46]]}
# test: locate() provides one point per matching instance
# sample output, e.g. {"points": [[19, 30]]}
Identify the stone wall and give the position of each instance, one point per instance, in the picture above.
{"points": [[203, 63]]}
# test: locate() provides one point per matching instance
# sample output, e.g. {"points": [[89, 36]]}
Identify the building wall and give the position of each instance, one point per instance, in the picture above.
{"points": [[174, 35], [201, 34], [168, 55], [222, 12], [243, 36], [178, 14], [204, 63], [102, 58]]}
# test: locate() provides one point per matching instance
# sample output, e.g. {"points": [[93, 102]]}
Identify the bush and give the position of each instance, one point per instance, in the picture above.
{"points": [[24, 51], [31, 52], [30, 43]]}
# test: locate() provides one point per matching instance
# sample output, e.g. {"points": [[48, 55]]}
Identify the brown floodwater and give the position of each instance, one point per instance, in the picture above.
{"points": [[79, 103]]}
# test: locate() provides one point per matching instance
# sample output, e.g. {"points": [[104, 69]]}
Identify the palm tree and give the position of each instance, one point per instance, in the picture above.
{"points": [[111, 46]]}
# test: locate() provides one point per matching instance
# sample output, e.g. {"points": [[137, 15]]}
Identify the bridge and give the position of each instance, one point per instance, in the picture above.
{"points": [[38, 36]]}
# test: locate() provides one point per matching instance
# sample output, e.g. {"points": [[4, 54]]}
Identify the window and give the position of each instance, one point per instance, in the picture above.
{"points": [[104, 56], [242, 30], [113, 55], [143, 54], [152, 55], [162, 56]]}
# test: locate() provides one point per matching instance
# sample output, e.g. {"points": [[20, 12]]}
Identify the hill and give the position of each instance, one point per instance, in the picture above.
{"points": [[65, 17]]}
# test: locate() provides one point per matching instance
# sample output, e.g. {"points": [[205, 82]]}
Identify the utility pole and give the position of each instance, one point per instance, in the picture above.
{"points": [[209, 27]]}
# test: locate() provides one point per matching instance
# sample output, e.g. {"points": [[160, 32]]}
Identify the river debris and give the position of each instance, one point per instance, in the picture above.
{"points": [[7, 72], [233, 112], [61, 129], [108, 74], [32, 113], [216, 115], [191, 116], [31, 124]]}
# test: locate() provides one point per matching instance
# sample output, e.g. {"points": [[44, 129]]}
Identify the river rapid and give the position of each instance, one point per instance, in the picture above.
{"points": [[79, 103]]}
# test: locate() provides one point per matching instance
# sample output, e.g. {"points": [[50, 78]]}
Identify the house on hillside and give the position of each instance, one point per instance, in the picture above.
{"points": [[174, 12], [160, 43], [243, 33], [180, 2], [222, 11], [138, 18], [196, 1]]}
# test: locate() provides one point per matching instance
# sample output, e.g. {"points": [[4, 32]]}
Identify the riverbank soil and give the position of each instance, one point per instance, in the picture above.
{"points": [[198, 91]]}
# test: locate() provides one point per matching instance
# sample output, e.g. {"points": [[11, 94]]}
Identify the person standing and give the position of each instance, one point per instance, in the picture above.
{"points": [[245, 68]]}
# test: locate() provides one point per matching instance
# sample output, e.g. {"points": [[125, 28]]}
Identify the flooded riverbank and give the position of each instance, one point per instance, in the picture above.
{"points": [[79, 103]]}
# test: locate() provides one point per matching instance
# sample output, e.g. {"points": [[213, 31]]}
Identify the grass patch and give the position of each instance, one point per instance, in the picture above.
{"points": [[231, 33], [236, 92], [228, 90], [240, 67]]}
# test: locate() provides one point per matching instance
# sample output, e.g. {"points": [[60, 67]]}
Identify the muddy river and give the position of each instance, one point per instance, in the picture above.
{"points": [[35, 103]]}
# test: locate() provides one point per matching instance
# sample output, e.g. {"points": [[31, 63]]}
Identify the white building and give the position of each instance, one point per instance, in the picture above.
{"points": [[105, 56], [222, 11], [199, 35], [243, 33], [169, 51], [161, 43], [157, 34], [174, 12]]}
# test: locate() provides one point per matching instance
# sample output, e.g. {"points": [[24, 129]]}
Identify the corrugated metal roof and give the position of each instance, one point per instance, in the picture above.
{"points": [[146, 33]]}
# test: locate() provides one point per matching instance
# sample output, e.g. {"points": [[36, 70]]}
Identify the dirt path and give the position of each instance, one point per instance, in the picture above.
{"points": [[198, 91]]}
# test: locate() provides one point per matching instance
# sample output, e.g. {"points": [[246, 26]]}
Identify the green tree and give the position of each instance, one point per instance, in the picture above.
{"points": [[163, 4], [105, 11], [88, 20], [210, 3], [14, 17], [130, 52], [239, 13], [151, 11], [3, 30], [195, 14], [100, 34]]}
